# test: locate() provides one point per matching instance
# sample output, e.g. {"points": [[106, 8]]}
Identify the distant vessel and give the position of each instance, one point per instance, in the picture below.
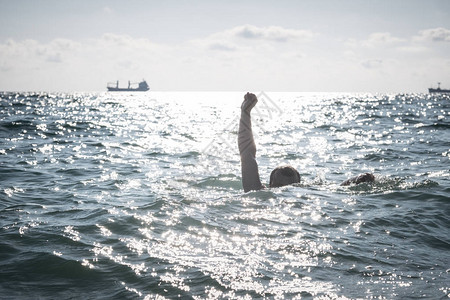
{"points": [[141, 87], [438, 90]]}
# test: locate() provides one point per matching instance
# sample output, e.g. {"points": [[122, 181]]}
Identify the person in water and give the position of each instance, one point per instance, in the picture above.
{"points": [[280, 176]]}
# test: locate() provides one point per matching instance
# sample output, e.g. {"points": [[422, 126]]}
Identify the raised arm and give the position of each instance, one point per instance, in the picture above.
{"points": [[247, 148]]}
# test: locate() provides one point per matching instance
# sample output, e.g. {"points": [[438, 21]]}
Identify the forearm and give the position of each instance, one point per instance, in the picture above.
{"points": [[247, 150], [246, 142]]}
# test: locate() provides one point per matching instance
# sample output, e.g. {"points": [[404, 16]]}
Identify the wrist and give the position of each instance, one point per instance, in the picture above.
{"points": [[245, 109]]}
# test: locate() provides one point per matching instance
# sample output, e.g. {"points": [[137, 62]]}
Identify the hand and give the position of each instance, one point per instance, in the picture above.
{"points": [[250, 101]]}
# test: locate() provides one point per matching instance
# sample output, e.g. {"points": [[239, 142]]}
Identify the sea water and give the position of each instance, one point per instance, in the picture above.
{"points": [[139, 196]]}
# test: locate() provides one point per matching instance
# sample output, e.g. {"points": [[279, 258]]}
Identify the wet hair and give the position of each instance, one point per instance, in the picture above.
{"points": [[284, 175], [366, 177]]}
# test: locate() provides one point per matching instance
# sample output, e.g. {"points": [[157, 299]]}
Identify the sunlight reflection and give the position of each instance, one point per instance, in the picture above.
{"points": [[205, 249], [105, 231], [72, 233]]}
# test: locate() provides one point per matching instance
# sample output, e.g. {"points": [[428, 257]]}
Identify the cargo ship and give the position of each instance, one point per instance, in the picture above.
{"points": [[438, 90], [132, 87]]}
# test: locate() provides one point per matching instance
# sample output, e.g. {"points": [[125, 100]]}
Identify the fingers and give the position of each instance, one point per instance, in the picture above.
{"points": [[250, 96]]}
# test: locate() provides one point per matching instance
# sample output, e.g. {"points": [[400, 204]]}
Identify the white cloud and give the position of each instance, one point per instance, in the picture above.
{"points": [[382, 39], [222, 46], [241, 58], [376, 42], [271, 33], [54, 57], [113, 40], [249, 39], [413, 49], [372, 63], [434, 34]]}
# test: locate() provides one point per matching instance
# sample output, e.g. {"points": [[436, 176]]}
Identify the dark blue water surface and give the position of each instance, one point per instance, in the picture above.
{"points": [[139, 196]]}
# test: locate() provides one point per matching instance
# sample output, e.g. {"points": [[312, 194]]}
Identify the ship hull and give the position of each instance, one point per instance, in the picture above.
{"points": [[113, 89], [438, 91], [141, 87]]}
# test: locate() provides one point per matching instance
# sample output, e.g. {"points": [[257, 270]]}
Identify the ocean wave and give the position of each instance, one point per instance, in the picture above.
{"points": [[385, 184], [108, 196]]}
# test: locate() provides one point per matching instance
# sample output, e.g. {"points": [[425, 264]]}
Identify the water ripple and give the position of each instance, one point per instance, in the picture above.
{"points": [[119, 196]]}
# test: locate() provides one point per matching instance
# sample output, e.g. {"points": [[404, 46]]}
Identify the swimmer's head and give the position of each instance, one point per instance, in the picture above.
{"points": [[284, 175], [366, 177]]}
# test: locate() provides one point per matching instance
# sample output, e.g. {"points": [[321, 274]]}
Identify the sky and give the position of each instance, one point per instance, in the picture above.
{"points": [[285, 46]]}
